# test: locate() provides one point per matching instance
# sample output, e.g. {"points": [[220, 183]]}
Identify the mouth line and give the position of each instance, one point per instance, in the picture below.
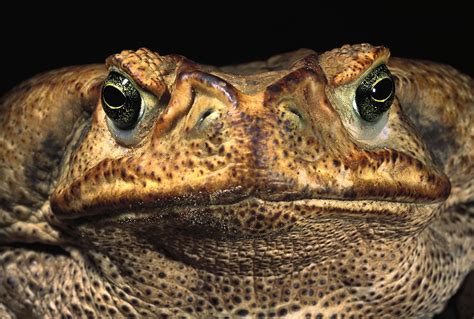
{"points": [[372, 206]]}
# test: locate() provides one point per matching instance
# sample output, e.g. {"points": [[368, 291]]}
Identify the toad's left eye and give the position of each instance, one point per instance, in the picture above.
{"points": [[121, 101], [375, 94]]}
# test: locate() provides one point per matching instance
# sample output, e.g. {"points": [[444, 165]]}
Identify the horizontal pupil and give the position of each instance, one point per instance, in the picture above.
{"points": [[113, 96], [382, 90]]}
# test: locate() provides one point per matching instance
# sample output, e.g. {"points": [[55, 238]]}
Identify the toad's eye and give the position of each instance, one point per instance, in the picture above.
{"points": [[121, 101], [375, 94]]}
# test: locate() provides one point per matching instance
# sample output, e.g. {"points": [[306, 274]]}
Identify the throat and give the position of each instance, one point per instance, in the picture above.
{"points": [[207, 279], [144, 245]]}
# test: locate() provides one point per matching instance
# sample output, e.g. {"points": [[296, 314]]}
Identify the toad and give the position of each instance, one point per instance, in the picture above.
{"points": [[331, 185]]}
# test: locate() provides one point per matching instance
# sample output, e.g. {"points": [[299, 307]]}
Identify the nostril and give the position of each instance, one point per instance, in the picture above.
{"points": [[207, 119], [296, 112], [205, 115], [292, 118]]}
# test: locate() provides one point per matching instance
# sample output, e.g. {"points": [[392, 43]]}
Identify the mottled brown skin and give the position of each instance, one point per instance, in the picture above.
{"points": [[249, 190]]}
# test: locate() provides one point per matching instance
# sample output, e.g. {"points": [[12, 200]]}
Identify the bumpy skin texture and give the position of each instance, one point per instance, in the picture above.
{"points": [[248, 190]]}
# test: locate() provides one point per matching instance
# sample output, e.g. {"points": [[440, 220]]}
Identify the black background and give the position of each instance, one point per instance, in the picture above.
{"points": [[34, 42]]}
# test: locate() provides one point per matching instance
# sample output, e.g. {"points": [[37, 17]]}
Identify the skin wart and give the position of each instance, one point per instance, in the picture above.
{"points": [[254, 190]]}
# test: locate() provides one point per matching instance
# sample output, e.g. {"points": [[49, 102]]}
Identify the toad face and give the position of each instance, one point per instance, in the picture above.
{"points": [[299, 186]]}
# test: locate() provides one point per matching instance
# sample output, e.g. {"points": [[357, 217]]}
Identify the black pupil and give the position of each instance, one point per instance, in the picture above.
{"points": [[382, 90], [113, 96]]}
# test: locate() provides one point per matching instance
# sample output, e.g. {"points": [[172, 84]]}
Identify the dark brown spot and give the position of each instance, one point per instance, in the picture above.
{"points": [[242, 312]]}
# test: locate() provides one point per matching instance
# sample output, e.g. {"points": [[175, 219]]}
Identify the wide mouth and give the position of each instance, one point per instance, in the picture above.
{"points": [[252, 217], [350, 206]]}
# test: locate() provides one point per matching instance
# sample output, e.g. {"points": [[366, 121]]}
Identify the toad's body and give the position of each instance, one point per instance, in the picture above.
{"points": [[307, 186]]}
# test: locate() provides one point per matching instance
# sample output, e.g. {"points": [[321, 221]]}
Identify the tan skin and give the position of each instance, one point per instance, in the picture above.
{"points": [[265, 189]]}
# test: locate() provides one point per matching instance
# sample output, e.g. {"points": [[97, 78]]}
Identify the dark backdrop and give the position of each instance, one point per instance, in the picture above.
{"points": [[34, 42]]}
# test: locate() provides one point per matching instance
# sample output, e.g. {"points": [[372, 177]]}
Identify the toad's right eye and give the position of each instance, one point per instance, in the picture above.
{"points": [[121, 101]]}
